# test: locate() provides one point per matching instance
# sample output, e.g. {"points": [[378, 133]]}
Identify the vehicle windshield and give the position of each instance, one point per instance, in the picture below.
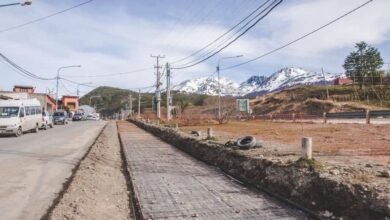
{"points": [[9, 111], [58, 114]]}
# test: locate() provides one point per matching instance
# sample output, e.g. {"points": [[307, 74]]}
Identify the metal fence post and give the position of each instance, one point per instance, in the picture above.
{"points": [[367, 116], [324, 116]]}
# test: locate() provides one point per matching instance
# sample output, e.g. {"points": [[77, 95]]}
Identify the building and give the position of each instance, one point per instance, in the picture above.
{"points": [[342, 81], [26, 89], [28, 92], [70, 103]]}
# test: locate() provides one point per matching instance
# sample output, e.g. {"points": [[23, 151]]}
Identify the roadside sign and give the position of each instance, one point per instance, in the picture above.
{"points": [[243, 105]]}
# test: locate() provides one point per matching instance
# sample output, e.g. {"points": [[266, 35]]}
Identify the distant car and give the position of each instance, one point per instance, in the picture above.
{"points": [[90, 117], [47, 120], [77, 117], [60, 117]]}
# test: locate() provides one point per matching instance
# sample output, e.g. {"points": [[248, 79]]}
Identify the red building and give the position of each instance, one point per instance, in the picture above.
{"points": [[343, 81], [70, 103], [27, 89]]}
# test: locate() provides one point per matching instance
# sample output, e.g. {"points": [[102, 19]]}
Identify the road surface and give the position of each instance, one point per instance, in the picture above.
{"points": [[170, 184], [33, 167]]}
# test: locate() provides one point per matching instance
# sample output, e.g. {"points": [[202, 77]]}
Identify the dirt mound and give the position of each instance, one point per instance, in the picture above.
{"points": [[311, 100]]}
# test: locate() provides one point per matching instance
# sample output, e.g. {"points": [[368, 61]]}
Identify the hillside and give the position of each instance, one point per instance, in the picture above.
{"points": [[112, 99], [313, 100]]}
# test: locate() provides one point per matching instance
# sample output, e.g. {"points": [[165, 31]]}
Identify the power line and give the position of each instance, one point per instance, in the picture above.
{"points": [[210, 51], [232, 41], [44, 18], [300, 38], [224, 34], [22, 70], [110, 74]]}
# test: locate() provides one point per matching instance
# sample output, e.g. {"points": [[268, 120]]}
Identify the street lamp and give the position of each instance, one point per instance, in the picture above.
{"points": [[58, 78], [219, 83], [24, 3]]}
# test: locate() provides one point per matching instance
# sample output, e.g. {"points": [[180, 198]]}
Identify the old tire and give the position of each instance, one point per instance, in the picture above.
{"points": [[246, 143], [19, 132]]}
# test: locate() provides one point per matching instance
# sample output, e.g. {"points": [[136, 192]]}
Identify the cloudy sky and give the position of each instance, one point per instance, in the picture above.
{"points": [[119, 36]]}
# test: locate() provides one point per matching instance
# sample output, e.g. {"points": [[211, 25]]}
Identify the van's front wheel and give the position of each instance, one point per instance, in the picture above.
{"points": [[36, 129], [19, 132]]}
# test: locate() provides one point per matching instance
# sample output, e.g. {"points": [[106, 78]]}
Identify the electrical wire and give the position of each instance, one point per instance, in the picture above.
{"points": [[300, 38], [232, 41], [210, 51], [111, 74], [22, 70], [44, 17], [224, 34]]}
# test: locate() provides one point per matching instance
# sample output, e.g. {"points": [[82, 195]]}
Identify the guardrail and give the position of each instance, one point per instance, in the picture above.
{"points": [[356, 115]]}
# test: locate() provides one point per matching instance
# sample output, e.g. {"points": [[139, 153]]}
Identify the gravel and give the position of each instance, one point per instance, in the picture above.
{"points": [[98, 190]]}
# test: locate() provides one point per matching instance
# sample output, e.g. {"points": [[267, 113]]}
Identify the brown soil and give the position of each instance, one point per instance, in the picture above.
{"points": [[371, 141], [98, 190]]}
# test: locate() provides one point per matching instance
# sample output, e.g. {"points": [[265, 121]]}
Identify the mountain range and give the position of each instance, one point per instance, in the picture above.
{"points": [[258, 84]]}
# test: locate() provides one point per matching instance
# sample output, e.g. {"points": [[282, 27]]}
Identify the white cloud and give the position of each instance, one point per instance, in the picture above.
{"points": [[118, 42]]}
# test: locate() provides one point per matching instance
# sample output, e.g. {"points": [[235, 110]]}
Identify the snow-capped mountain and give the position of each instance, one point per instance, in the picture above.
{"points": [[284, 78], [289, 77], [252, 84], [209, 86]]}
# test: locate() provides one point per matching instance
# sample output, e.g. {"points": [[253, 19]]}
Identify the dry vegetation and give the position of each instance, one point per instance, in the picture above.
{"points": [[335, 139]]}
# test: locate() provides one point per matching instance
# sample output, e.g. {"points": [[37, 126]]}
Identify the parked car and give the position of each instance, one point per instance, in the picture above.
{"points": [[77, 117], [47, 120], [60, 117], [18, 116]]}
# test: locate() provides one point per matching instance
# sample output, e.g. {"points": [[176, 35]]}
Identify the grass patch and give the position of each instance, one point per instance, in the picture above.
{"points": [[305, 163]]}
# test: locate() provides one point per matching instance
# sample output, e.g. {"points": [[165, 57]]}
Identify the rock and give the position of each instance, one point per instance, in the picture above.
{"points": [[196, 133], [327, 214], [194, 215], [335, 172], [369, 165], [385, 174]]}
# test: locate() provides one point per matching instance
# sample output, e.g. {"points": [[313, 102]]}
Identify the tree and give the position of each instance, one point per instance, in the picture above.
{"points": [[362, 63]]}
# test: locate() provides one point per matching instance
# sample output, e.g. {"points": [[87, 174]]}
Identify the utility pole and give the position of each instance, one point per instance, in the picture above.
{"points": [[327, 90], [169, 99], [158, 83], [139, 104], [219, 94], [131, 105]]}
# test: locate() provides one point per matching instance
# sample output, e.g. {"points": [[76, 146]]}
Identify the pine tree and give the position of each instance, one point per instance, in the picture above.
{"points": [[363, 64]]}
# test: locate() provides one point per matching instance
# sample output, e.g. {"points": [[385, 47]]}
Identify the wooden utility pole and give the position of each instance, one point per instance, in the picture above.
{"points": [[139, 104], [158, 83], [169, 99]]}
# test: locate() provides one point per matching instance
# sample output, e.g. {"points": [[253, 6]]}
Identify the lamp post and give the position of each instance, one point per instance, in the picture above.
{"points": [[24, 3], [58, 78], [219, 82]]}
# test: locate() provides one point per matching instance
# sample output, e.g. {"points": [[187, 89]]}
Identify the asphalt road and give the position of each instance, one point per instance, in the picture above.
{"points": [[34, 167]]}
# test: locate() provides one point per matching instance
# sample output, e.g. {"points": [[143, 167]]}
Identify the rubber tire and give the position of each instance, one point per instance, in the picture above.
{"points": [[246, 142], [19, 132]]}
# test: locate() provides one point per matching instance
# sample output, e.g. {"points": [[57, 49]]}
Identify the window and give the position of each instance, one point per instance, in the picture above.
{"points": [[9, 111], [28, 110]]}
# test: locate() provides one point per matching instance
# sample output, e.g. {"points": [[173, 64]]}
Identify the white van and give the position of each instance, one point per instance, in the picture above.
{"points": [[18, 116]]}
